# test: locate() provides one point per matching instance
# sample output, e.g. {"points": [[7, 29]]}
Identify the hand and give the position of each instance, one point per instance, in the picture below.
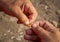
{"points": [[43, 31], [21, 9]]}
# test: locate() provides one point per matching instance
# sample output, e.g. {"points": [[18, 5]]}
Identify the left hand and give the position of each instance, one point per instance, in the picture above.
{"points": [[43, 31]]}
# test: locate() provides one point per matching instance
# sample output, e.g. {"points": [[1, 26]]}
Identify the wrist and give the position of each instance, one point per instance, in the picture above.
{"points": [[5, 3]]}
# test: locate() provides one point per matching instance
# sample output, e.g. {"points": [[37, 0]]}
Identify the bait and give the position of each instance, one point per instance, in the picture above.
{"points": [[30, 25]]}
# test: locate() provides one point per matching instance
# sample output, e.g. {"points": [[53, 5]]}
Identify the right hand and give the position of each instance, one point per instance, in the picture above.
{"points": [[21, 9], [43, 31]]}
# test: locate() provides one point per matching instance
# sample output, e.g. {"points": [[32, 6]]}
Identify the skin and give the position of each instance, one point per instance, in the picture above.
{"points": [[23, 10], [43, 31]]}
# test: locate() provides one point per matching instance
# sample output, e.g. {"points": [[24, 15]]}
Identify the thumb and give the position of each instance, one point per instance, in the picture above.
{"points": [[20, 15], [39, 31]]}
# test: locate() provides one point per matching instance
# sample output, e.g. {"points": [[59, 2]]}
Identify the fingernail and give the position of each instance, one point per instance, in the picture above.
{"points": [[26, 22], [34, 25]]}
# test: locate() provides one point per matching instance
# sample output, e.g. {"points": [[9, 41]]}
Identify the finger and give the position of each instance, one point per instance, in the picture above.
{"points": [[20, 15], [30, 12], [35, 24], [29, 32], [47, 26], [33, 14], [39, 30], [30, 37]]}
